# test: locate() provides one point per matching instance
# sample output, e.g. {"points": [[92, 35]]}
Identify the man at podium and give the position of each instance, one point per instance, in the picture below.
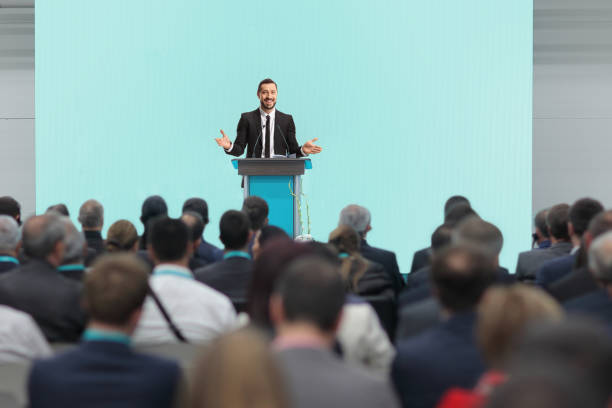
{"points": [[266, 132]]}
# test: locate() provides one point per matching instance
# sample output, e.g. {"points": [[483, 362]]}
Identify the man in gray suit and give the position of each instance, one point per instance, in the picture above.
{"points": [[529, 262], [306, 310]]}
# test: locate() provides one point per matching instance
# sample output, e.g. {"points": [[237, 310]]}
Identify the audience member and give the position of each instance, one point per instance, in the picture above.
{"points": [[152, 208], [446, 355], [541, 236], [103, 370], [580, 214], [197, 312], [59, 209], [264, 235], [73, 266], [206, 251], [359, 218], [458, 213], [10, 243], [231, 276], [360, 276], [9, 206], [305, 335], [195, 225], [238, 371], [580, 281], [20, 338], [597, 304], [497, 332], [256, 209], [38, 289], [91, 217], [122, 237], [529, 262]]}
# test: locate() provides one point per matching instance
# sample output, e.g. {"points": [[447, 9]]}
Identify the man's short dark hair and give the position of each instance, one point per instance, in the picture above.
{"points": [[460, 275], [60, 209], [270, 232], [557, 219], [457, 213], [153, 207], [582, 212], [197, 205], [540, 222], [256, 209], [234, 228], [168, 237], [441, 237], [266, 81], [115, 287], [312, 291], [9, 206], [194, 223], [453, 201]]}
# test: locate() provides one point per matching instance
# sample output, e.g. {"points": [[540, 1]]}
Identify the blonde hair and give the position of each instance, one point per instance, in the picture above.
{"points": [[347, 241], [505, 312], [238, 371], [121, 236]]}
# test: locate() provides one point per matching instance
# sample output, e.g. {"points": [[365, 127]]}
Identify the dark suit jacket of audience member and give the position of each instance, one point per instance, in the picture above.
{"points": [[54, 302], [208, 252], [7, 266], [76, 275], [596, 305], [318, 378], [231, 276], [445, 356], [417, 317], [95, 241], [529, 262], [578, 283], [420, 259], [103, 374], [389, 262], [555, 269], [375, 282]]}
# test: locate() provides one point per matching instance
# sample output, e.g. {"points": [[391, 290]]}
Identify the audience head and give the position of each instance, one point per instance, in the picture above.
{"points": [[267, 233], [59, 209], [479, 233], [238, 370], [153, 207], [310, 293], [600, 259], [356, 217], [197, 205], [10, 236], [346, 242], [345, 239], [169, 241], [556, 220], [195, 224], [91, 215], [541, 229], [43, 238], [457, 213], [453, 201], [235, 230], [114, 291], [460, 275], [441, 237], [9, 206], [505, 312], [256, 210], [580, 215], [75, 244], [121, 236]]}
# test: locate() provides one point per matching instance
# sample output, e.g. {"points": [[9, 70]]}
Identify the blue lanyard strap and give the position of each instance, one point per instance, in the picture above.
{"points": [[9, 259], [103, 335], [236, 254], [343, 255], [162, 272], [71, 267]]}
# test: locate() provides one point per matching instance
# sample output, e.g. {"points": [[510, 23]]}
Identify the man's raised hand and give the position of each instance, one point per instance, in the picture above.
{"points": [[224, 141], [310, 148]]}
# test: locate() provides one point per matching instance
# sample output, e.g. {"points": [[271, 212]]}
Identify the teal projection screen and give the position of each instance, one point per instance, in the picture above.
{"points": [[412, 101]]}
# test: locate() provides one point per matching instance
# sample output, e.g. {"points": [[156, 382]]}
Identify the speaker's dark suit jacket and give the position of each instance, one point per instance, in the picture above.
{"points": [[231, 276], [578, 283], [389, 262], [445, 356], [54, 301], [597, 305], [103, 374], [250, 135], [554, 270]]}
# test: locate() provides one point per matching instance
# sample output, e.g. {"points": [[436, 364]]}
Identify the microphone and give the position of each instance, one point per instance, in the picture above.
{"points": [[257, 141], [284, 140]]}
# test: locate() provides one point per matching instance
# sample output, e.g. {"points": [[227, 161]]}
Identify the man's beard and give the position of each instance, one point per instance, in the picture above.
{"points": [[263, 105]]}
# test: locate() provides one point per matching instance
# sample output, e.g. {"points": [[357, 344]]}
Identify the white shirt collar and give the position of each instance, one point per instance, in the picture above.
{"points": [[167, 267], [264, 114]]}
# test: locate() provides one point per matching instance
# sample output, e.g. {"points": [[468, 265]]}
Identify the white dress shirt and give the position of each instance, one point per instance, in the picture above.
{"points": [[20, 337], [200, 312]]}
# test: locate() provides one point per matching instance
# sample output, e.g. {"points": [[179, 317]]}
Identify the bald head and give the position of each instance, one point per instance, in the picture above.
{"points": [[357, 217], [43, 237], [10, 235], [91, 215]]}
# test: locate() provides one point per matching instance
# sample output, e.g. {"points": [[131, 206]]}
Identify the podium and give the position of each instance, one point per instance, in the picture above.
{"points": [[275, 180]]}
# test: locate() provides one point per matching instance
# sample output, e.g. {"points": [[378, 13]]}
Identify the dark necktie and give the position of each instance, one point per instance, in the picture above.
{"points": [[267, 139]]}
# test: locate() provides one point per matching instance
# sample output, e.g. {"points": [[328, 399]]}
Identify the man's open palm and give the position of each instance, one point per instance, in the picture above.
{"points": [[224, 141], [311, 148]]}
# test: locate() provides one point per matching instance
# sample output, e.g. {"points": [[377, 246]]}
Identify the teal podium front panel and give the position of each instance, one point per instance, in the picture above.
{"points": [[275, 190]]}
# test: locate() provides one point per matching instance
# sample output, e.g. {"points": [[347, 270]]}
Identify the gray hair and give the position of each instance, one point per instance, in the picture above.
{"points": [[9, 233], [600, 257], [476, 232], [41, 233], [356, 217], [74, 240], [91, 214]]}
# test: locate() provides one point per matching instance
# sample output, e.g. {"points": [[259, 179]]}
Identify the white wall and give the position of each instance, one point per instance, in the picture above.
{"points": [[17, 166]]}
